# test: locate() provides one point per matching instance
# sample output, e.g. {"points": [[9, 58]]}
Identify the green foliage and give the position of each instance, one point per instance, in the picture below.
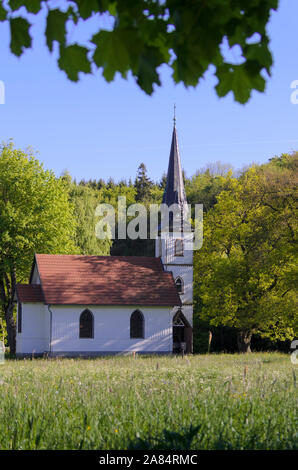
{"points": [[240, 79], [73, 59], [85, 201], [20, 37], [3, 12], [56, 28], [3, 330], [285, 160], [203, 188], [246, 274], [35, 216], [88, 194], [188, 36], [143, 184], [32, 6], [196, 402]]}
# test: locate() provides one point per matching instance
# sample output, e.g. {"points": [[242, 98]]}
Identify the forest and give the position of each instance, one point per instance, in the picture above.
{"points": [[245, 274]]}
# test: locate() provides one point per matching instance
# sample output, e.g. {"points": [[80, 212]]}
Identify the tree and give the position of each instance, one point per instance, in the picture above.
{"points": [[188, 36], [163, 181], [246, 273], [85, 200], [143, 184], [35, 216], [203, 188], [216, 169]]}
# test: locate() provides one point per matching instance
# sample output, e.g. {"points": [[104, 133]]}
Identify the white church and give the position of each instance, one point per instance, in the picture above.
{"points": [[77, 305]]}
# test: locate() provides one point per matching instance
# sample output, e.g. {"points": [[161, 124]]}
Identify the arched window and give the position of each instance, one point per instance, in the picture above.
{"points": [[86, 324], [137, 324], [179, 285], [179, 247]]}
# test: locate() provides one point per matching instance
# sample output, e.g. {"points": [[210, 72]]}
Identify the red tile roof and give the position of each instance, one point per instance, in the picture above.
{"points": [[29, 293], [106, 280]]}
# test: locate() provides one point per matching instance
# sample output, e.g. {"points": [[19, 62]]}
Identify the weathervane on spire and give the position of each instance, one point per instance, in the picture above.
{"points": [[174, 114]]}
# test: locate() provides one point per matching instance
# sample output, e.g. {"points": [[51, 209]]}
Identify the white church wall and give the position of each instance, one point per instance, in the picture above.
{"points": [[158, 247], [34, 337], [168, 249], [185, 272], [111, 330]]}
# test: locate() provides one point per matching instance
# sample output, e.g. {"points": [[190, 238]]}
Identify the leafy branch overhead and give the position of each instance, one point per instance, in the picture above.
{"points": [[187, 35]]}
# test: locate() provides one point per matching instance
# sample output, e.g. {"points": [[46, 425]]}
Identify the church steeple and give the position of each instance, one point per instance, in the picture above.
{"points": [[174, 246], [174, 192]]}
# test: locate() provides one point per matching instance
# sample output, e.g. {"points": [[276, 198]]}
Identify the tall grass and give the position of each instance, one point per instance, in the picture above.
{"points": [[195, 402]]}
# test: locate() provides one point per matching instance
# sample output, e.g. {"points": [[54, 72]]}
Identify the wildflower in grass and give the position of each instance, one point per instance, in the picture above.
{"points": [[88, 428], [116, 430]]}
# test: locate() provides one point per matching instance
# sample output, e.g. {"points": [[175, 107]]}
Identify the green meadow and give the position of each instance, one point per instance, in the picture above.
{"points": [[216, 401]]}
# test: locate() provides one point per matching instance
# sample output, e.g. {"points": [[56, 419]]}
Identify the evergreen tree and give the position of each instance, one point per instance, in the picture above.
{"points": [[163, 181], [143, 184]]}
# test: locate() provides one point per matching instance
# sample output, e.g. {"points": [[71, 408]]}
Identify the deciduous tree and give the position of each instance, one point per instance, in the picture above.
{"points": [[246, 270], [35, 216], [85, 199]]}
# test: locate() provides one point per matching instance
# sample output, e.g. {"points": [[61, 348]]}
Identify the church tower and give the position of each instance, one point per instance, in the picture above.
{"points": [[175, 248]]}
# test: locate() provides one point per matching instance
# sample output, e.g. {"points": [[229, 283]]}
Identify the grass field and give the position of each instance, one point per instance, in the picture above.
{"points": [[195, 402]]}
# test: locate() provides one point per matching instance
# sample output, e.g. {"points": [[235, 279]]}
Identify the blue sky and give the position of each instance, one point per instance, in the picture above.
{"points": [[97, 130]]}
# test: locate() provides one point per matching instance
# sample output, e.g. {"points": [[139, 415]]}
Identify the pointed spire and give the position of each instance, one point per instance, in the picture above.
{"points": [[174, 192], [174, 115]]}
